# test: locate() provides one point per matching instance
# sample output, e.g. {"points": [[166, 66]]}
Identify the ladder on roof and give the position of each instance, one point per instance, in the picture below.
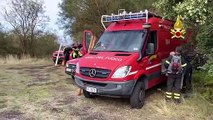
{"points": [[124, 16]]}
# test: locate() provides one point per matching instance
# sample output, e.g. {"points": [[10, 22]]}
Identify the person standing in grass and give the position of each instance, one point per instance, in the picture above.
{"points": [[67, 54], [76, 53], [175, 65]]}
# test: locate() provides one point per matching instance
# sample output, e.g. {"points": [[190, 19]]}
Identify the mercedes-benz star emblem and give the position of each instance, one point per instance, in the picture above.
{"points": [[92, 73]]}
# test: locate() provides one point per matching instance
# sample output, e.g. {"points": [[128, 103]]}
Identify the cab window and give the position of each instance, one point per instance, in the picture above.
{"points": [[151, 45]]}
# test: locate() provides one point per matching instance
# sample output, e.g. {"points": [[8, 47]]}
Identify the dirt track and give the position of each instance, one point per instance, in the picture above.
{"points": [[45, 92]]}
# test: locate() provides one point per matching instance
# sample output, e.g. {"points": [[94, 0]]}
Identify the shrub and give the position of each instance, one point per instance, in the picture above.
{"points": [[203, 83]]}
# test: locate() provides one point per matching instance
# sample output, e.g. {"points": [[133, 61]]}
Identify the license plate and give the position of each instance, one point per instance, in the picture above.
{"points": [[91, 89], [68, 69]]}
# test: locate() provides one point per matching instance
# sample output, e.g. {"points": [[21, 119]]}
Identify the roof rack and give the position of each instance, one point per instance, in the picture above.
{"points": [[124, 16]]}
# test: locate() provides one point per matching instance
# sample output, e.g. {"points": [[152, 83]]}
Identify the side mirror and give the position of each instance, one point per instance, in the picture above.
{"points": [[150, 49]]}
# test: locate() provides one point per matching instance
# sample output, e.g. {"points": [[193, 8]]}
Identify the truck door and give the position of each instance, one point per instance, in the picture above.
{"points": [[88, 41], [153, 62]]}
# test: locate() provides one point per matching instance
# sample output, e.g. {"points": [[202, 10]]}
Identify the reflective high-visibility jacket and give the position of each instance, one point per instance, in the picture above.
{"points": [[76, 54]]}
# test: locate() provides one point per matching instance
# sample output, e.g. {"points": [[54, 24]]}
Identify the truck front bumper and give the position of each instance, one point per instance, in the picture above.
{"points": [[120, 89]]}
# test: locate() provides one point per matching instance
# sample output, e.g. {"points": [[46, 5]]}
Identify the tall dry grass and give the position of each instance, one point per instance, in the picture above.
{"points": [[25, 59]]}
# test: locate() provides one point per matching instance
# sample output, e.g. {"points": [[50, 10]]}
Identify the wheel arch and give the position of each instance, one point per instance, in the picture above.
{"points": [[142, 78]]}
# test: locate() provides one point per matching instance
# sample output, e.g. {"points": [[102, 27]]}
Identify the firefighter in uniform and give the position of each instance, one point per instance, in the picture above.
{"points": [[175, 65], [76, 53], [66, 54], [187, 81]]}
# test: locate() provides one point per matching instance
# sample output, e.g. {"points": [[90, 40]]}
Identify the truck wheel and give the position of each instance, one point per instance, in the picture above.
{"points": [[138, 96], [88, 94]]}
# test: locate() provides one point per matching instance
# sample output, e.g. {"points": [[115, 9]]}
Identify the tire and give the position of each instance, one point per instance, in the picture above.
{"points": [[88, 94], [138, 96]]}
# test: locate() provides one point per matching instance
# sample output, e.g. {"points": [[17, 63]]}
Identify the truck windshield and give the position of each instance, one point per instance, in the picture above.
{"points": [[121, 41]]}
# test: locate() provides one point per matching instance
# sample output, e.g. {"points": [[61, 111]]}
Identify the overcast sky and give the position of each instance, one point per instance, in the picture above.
{"points": [[52, 10]]}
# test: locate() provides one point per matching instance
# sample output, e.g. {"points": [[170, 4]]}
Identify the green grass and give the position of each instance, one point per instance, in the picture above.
{"points": [[203, 84], [53, 97]]}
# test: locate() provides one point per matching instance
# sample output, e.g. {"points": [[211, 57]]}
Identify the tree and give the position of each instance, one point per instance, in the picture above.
{"points": [[6, 43], [78, 15], [27, 19], [193, 12], [46, 43], [3, 44]]}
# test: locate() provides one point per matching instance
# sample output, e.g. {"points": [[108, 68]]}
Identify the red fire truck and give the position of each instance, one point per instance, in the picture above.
{"points": [[60, 55], [128, 58]]}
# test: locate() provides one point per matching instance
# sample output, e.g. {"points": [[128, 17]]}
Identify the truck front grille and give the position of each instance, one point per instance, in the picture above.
{"points": [[95, 72]]}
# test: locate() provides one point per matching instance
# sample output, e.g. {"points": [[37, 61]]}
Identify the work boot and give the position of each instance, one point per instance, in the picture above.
{"points": [[168, 96], [177, 97]]}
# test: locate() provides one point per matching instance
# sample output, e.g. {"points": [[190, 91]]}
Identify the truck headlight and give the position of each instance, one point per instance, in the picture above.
{"points": [[122, 72], [77, 68], [67, 65]]}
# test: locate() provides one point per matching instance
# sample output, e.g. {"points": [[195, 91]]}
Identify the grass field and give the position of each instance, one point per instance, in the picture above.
{"points": [[37, 90]]}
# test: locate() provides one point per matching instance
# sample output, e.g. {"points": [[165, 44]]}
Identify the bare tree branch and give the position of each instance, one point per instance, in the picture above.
{"points": [[27, 18]]}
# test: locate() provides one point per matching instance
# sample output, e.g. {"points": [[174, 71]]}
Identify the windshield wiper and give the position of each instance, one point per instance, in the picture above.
{"points": [[96, 51], [117, 51]]}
